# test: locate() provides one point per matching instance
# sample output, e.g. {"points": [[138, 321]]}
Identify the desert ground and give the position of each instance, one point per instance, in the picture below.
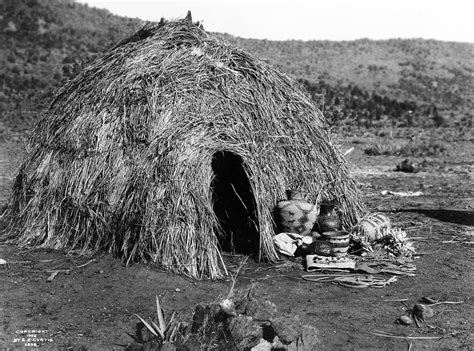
{"points": [[92, 304]]}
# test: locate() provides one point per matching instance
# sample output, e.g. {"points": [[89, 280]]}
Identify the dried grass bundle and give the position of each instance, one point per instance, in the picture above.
{"points": [[121, 161]]}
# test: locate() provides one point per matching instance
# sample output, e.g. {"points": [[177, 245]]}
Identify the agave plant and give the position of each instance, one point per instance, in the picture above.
{"points": [[166, 331]]}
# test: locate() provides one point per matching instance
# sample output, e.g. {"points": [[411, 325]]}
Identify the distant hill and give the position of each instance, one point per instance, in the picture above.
{"points": [[365, 82], [45, 43], [427, 77]]}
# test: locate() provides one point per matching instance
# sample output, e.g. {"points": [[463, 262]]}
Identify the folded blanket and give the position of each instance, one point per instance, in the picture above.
{"points": [[314, 262]]}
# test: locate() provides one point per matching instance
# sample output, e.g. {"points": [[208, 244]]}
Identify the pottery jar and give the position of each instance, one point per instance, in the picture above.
{"points": [[328, 219], [296, 215]]}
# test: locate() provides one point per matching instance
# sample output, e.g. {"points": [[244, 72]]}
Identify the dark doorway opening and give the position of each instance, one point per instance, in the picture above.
{"points": [[234, 205]]}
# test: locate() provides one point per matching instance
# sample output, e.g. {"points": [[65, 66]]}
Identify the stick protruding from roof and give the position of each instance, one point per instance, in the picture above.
{"points": [[189, 18]]}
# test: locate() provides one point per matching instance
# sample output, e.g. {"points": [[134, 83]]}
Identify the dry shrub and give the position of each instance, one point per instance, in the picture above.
{"points": [[416, 148]]}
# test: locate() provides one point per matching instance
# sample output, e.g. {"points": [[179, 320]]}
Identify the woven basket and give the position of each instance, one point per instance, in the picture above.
{"points": [[373, 227]]}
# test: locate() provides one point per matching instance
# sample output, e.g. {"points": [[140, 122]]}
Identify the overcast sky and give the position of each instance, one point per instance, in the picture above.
{"points": [[449, 20]]}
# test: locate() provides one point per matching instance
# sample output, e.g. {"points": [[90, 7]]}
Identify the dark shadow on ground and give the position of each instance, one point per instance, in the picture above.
{"points": [[446, 215]]}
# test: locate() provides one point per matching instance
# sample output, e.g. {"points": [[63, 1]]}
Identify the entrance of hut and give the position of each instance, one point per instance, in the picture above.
{"points": [[234, 205]]}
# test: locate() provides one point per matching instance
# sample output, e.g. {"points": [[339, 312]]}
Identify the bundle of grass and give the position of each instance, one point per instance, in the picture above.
{"points": [[170, 147]]}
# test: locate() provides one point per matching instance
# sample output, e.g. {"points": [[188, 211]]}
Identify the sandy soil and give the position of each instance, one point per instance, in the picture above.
{"points": [[92, 307]]}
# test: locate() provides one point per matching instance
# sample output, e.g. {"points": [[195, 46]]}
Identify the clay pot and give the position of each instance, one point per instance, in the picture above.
{"points": [[296, 215], [339, 242], [328, 219]]}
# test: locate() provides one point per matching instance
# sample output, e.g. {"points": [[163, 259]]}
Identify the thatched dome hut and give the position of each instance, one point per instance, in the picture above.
{"points": [[170, 147]]}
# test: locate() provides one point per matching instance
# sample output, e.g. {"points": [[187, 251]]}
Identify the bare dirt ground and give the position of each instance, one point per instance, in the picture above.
{"points": [[92, 307]]}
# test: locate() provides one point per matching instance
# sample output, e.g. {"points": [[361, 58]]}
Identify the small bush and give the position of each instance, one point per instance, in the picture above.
{"points": [[414, 148], [382, 149], [424, 148]]}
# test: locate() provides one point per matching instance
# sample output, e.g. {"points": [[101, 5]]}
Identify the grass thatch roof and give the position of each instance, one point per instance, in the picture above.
{"points": [[122, 160]]}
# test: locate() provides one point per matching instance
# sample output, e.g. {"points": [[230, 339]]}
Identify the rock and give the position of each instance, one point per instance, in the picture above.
{"points": [[200, 316], [308, 341], [245, 332], [277, 344], [287, 329], [261, 310], [263, 345], [407, 166], [241, 305], [228, 307], [151, 346], [422, 312], [309, 338], [405, 320]]}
